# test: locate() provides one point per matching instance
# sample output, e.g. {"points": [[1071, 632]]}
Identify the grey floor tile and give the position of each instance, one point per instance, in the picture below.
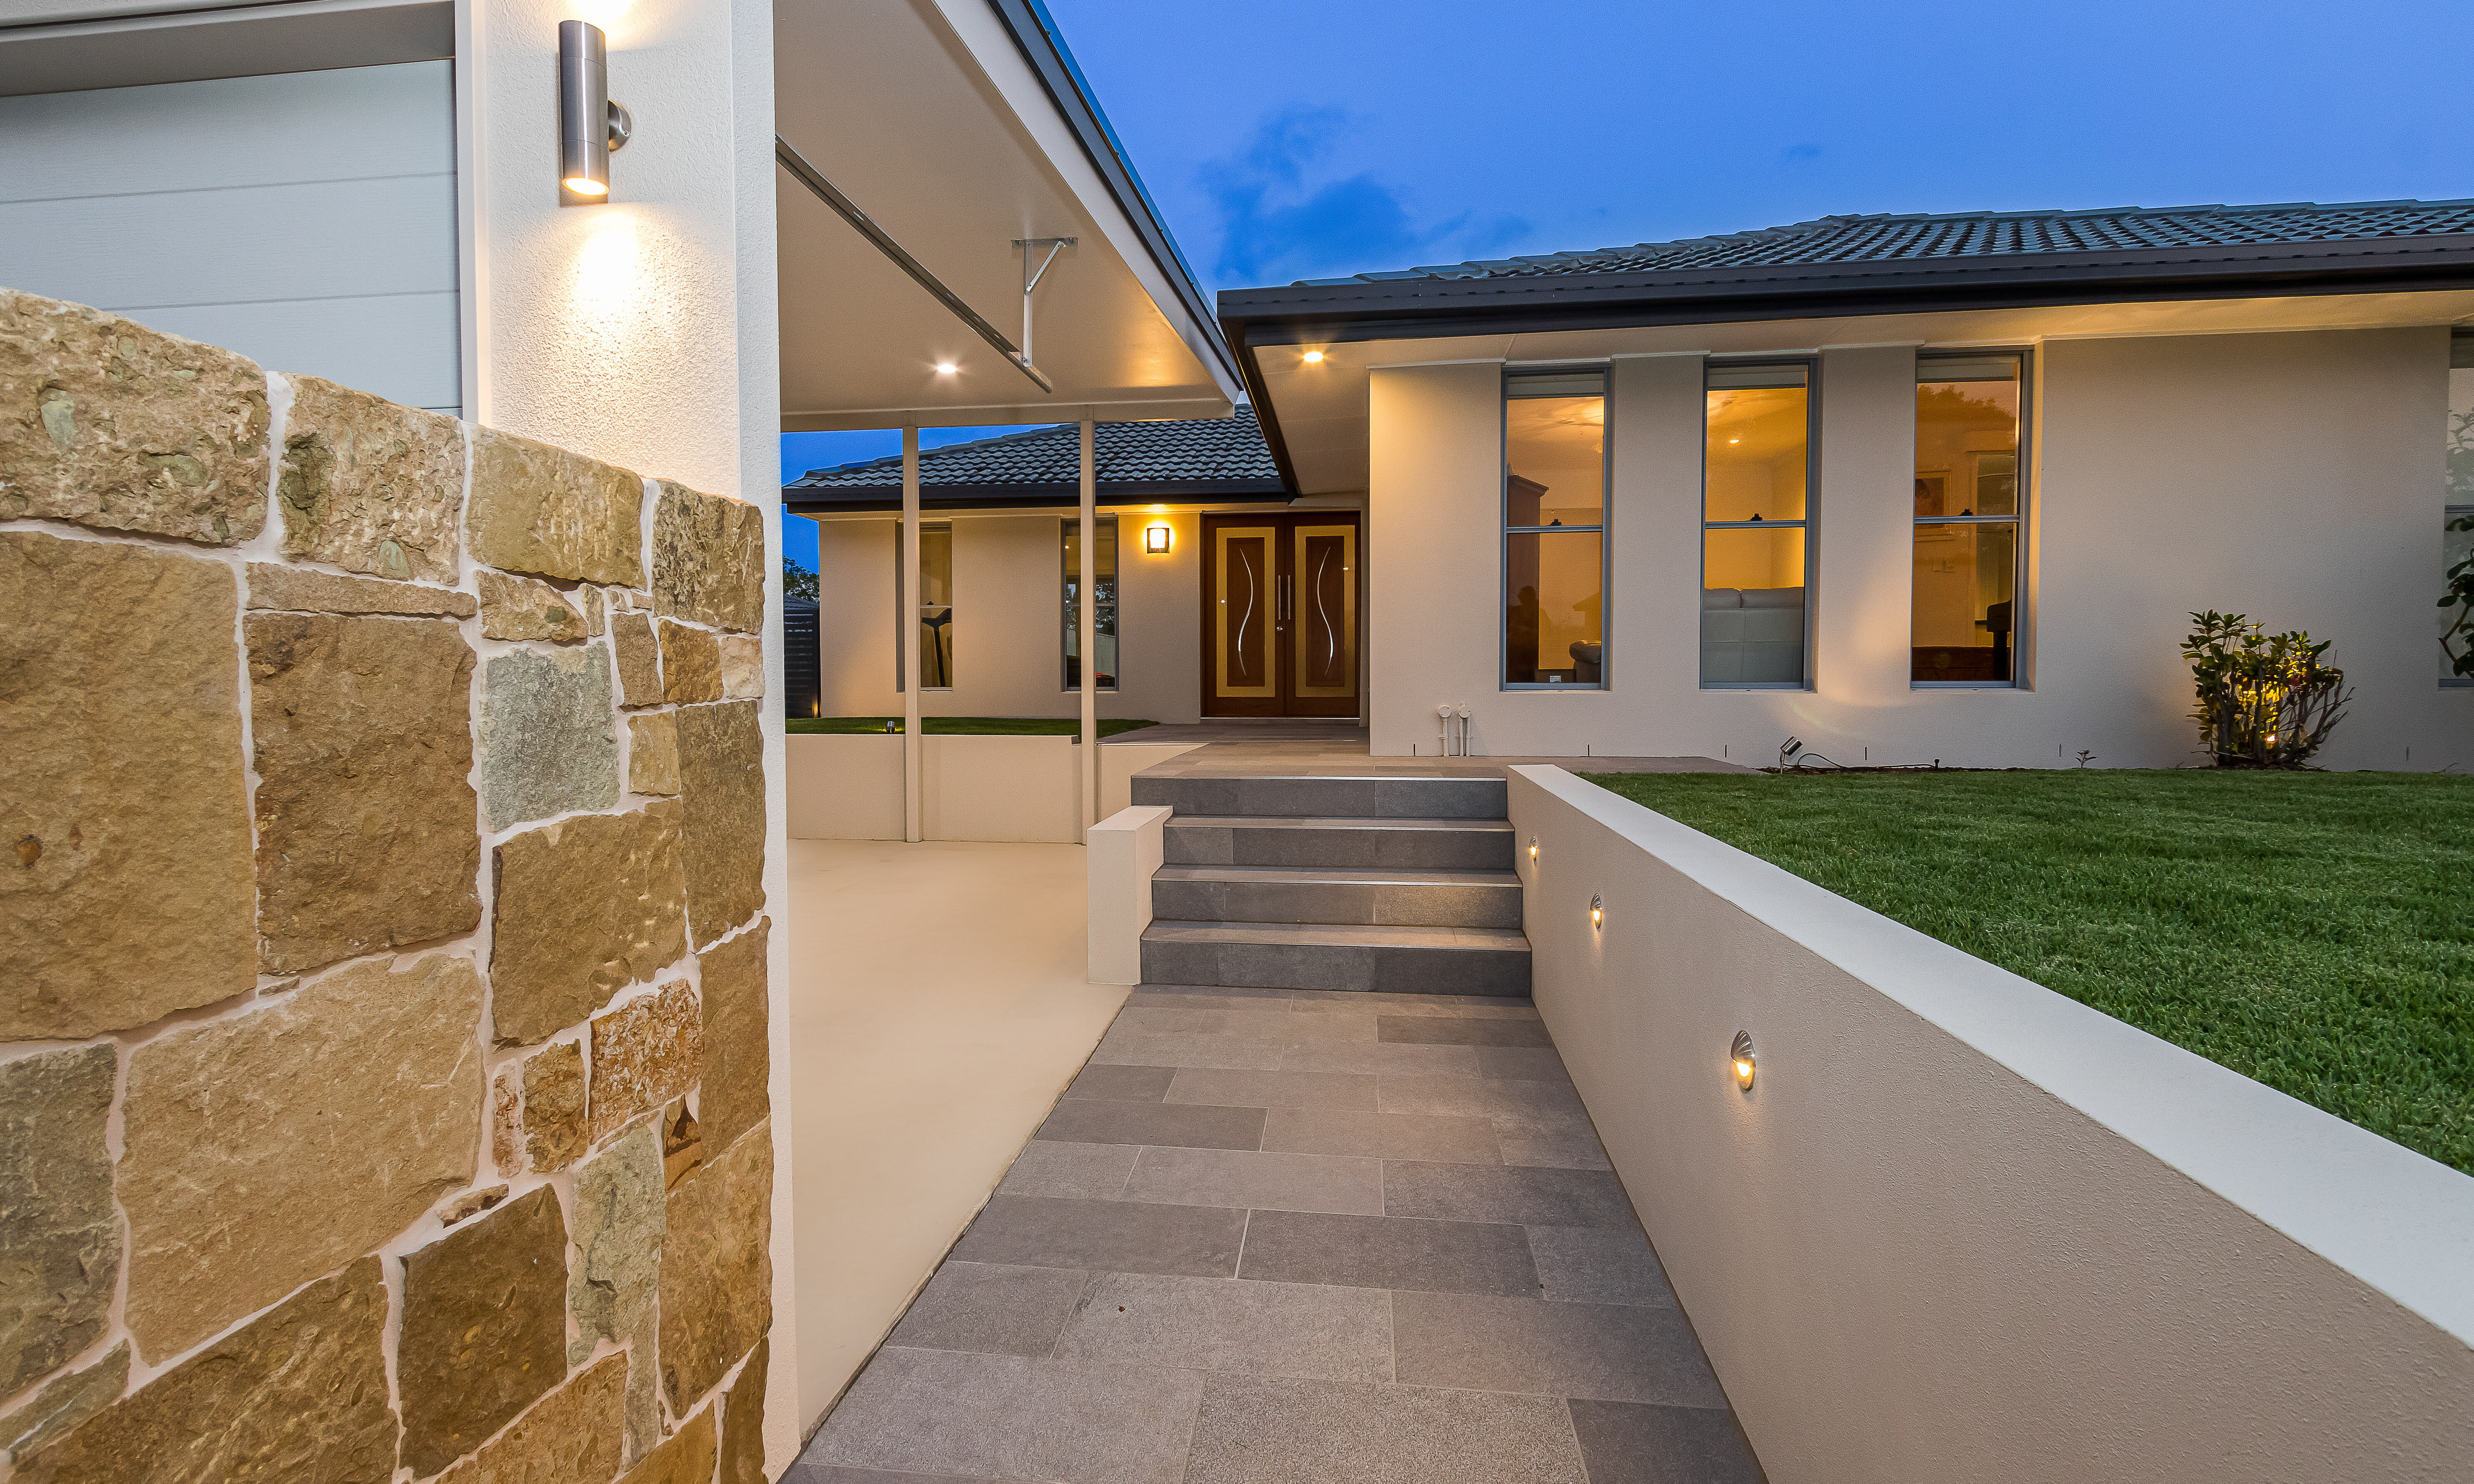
{"points": [[1598, 1265], [1273, 1430], [1608, 1352], [1265, 1181], [1184, 1125], [1459, 1031], [1103, 1082], [1165, 1048], [1119, 1236], [1528, 1197], [1188, 1018], [1376, 1056], [1522, 1063], [1228, 1087], [1094, 1172], [1329, 1028], [1225, 1323], [803, 1472], [1476, 1007], [1005, 1416], [1381, 1136], [1380, 1252], [992, 1308], [1201, 997], [1567, 1142], [1634, 1443], [1475, 1097]]}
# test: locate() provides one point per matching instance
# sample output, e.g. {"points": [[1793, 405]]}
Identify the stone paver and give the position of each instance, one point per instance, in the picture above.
{"points": [[1274, 1237]]}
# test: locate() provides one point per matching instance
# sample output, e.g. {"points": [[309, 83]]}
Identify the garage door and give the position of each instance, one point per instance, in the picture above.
{"points": [[305, 220]]}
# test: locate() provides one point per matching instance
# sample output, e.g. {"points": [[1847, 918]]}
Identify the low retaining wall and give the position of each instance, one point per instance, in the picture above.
{"points": [[1963, 1229], [849, 787]]}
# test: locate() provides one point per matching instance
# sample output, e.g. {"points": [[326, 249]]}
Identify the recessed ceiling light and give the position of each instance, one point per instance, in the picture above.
{"points": [[944, 368], [1735, 440], [1314, 358]]}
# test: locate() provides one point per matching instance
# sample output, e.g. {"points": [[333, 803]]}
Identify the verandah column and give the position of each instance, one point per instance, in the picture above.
{"points": [[907, 644], [1086, 621]]}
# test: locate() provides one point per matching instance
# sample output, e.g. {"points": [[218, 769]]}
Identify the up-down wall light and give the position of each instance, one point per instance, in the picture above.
{"points": [[589, 125], [1741, 1054], [1157, 538], [1597, 912]]}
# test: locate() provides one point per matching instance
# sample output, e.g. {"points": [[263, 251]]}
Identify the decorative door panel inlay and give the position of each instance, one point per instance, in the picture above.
{"points": [[1244, 626], [1324, 607]]}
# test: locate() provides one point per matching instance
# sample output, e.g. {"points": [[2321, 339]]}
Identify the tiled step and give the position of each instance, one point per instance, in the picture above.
{"points": [[1329, 956], [1339, 844], [1338, 797], [1366, 896]]}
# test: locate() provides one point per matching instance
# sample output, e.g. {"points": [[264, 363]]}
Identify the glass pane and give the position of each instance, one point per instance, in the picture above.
{"points": [[1754, 465], [1554, 461], [1965, 577], [1967, 447], [2460, 436], [935, 606], [2455, 547], [1752, 606], [1103, 577], [1552, 632]]}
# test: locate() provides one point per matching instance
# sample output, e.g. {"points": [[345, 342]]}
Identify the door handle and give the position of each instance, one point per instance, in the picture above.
{"points": [[1288, 597]]}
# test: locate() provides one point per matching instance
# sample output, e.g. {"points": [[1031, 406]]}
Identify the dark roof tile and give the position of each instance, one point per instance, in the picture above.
{"points": [[1151, 455]]}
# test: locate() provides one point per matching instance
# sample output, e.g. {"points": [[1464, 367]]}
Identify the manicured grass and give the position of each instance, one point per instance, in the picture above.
{"points": [[2311, 930], [961, 726]]}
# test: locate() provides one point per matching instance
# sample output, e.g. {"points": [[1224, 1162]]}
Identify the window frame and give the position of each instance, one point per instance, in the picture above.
{"points": [[1071, 525], [1809, 524], [1505, 530], [2020, 618]]}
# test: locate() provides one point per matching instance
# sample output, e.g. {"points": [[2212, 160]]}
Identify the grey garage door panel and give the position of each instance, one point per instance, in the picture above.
{"points": [[402, 348]]}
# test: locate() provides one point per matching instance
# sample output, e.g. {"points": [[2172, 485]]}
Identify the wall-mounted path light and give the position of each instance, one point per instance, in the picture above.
{"points": [[1741, 1054], [589, 125], [1597, 912]]}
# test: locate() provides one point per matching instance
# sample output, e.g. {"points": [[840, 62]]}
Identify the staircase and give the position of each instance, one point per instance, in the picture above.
{"points": [[1397, 884]]}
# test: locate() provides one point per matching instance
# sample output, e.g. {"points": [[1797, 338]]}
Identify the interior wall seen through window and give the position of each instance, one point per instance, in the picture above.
{"points": [[1756, 474], [935, 605], [1104, 618], [1968, 503], [1554, 525]]}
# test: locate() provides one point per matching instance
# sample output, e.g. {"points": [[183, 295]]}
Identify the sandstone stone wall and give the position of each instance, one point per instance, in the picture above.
{"points": [[383, 948]]}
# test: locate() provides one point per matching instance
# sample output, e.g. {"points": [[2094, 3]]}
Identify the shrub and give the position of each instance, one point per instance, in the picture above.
{"points": [[2265, 700], [2458, 640]]}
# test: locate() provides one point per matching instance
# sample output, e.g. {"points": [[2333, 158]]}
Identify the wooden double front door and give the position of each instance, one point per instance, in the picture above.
{"points": [[1280, 614]]}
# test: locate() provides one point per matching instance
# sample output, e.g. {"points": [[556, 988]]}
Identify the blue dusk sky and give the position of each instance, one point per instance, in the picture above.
{"points": [[1285, 139]]}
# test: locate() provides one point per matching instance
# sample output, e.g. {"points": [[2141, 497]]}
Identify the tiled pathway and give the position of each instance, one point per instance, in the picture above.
{"points": [[1289, 1237]]}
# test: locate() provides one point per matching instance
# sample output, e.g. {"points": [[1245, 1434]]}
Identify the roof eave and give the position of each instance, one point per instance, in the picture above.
{"points": [[1065, 495]]}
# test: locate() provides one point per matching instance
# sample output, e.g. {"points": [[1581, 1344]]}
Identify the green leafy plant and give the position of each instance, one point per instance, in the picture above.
{"points": [[2458, 640], [797, 582], [2265, 700]]}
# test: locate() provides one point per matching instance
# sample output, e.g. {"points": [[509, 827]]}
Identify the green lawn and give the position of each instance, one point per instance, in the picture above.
{"points": [[2313, 930], [960, 726]]}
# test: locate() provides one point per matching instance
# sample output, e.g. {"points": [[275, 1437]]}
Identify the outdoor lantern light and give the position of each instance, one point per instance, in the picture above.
{"points": [[1314, 358], [589, 125], [1742, 1053], [1155, 539], [1597, 913]]}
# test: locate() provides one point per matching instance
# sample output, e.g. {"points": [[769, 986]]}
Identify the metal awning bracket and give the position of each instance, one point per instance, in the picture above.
{"points": [[1030, 277]]}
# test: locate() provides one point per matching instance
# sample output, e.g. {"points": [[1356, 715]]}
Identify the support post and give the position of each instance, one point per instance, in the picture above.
{"points": [[906, 645], [1086, 620]]}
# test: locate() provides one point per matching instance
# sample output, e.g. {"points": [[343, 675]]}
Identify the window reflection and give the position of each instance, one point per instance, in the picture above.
{"points": [[1104, 620]]}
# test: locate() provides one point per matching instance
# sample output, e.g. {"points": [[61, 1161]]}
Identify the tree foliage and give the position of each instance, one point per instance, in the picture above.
{"points": [[797, 582], [2264, 700], [2458, 639]]}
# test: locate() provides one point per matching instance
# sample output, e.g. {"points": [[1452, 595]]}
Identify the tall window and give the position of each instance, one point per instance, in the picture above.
{"points": [[1103, 617], [1971, 493], [1554, 528], [935, 620], [1756, 510], [2456, 545]]}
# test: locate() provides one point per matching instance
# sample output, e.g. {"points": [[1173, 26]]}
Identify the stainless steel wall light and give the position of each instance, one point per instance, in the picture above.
{"points": [[1741, 1054], [589, 125]]}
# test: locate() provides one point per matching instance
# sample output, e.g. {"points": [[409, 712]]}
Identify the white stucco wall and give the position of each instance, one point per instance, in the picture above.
{"points": [[2294, 476], [1008, 620]]}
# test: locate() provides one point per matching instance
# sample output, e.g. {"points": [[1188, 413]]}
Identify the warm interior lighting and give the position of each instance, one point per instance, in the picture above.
{"points": [[1155, 539], [1597, 913], [1741, 1054], [1314, 358]]}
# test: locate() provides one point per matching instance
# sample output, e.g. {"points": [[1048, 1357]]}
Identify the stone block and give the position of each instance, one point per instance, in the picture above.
{"points": [[682, 1143], [65, 1403], [708, 560], [366, 823], [484, 1329], [743, 1422], [716, 1270], [125, 794], [690, 664], [276, 587], [645, 1427], [548, 513], [519, 607], [584, 907], [299, 1395], [653, 753], [368, 485], [736, 1060], [471, 1204], [640, 659], [594, 608], [264, 1150], [549, 739], [644, 1053], [122, 428], [742, 667], [686, 1459], [571, 1437], [507, 1120], [540, 1112], [60, 1237], [618, 1211], [722, 779]]}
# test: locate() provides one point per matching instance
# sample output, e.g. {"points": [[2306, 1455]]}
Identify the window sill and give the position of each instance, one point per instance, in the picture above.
{"points": [[1755, 684], [1965, 685], [1533, 688]]}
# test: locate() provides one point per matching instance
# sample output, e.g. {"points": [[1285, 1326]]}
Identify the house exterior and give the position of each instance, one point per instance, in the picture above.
{"points": [[1902, 487]]}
